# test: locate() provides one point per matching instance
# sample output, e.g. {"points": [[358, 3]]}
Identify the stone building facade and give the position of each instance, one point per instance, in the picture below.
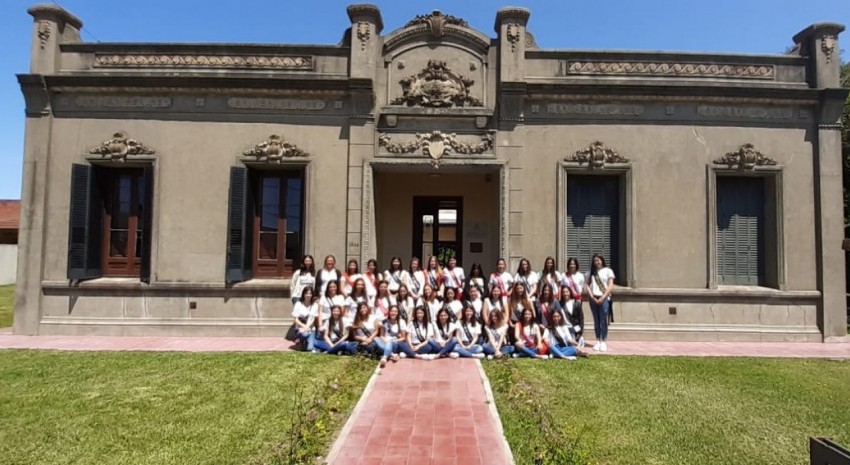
{"points": [[199, 175]]}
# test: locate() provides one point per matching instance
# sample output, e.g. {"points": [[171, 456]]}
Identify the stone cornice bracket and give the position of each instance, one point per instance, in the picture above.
{"points": [[512, 15], [436, 86], [54, 13], [596, 155], [274, 150], [436, 144], [436, 22], [366, 12], [745, 158], [120, 147]]}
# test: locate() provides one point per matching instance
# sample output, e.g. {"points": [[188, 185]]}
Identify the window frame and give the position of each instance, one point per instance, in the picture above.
{"points": [[282, 266], [774, 243]]}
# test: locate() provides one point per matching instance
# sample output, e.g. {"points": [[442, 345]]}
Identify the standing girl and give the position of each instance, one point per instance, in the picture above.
{"points": [[395, 276], [496, 330], [444, 334], [550, 275], [600, 283], [454, 278], [383, 300], [561, 342], [476, 280], [305, 312], [371, 275], [527, 278], [433, 273], [350, 277], [335, 334], [501, 278], [303, 277], [415, 278], [468, 334], [327, 275], [528, 337]]}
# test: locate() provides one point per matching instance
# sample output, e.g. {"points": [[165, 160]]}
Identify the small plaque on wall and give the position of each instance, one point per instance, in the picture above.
{"points": [[476, 247]]}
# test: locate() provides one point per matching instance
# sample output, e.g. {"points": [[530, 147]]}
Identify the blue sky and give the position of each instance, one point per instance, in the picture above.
{"points": [[738, 26]]}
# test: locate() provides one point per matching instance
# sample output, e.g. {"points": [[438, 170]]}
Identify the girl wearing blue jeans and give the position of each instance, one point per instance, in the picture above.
{"points": [[365, 328], [562, 343], [335, 334], [393, 337], [444, 334], [305, 312], [420, 336], [527, 334], [599, 284], [496, 331], [468, 333]]}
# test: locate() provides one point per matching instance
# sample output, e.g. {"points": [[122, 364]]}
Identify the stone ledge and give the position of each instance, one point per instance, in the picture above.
{"points": [[725, 294], [128, 287]]}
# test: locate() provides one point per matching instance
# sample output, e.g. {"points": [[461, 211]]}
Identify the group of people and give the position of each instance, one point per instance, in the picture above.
{"points": [[428, 312]]}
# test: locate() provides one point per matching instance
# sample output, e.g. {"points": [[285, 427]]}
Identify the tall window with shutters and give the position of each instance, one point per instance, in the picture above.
{"points": [[741, 230], [110, 222], [265, 223], [594, 219]]}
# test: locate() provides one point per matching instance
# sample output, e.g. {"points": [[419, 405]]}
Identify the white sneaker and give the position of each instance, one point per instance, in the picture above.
{"points": [[571, 358], [603, 347], [489, 357], [431, 356], [515, 355], [314, 351], [597, 346], [454, 355], [581, 343], [478, 356], [402, 355]]}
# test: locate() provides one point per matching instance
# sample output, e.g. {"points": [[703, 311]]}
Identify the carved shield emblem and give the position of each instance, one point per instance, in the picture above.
{"points": [[436, 148]]}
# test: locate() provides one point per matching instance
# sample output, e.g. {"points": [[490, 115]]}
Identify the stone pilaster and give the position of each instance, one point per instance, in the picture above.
{"points": [[819, 44], [510, 28], [52, 25], [366, 27]]}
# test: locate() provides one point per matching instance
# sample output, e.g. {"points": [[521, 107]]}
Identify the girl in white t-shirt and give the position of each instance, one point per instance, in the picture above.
{"points": [[420, 334], [527, 278], [496, 301], [434, 273], [372, 275], [357, 296], [395, 275], [331, 299], [444, 334], [496, 343], [327, 275], [415, 278], [350, 277], [477, 304], [431, 302], [303, 277], [573, 279], [549, 274], [305, 312], [528, 337], [599, 284], [365, 330], [454, 277], [383, 300], [573, 314], [393, 338], [406, 302], [501, 279], [559, 336], [468, 334], [450, 301], [335, 334]]}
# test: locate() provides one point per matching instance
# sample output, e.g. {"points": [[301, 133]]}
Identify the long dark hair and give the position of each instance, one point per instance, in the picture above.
{"points": [[356, 267], [472, 320], [308, 269], [338, 321], [448, 318], [519, 267], [593, 270], [400, 264], [312, 294], [358, 318], [572, 260], [548, 271]]}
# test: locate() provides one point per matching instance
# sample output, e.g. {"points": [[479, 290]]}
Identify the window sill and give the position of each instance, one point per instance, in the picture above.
{"points": [[273, 288]]}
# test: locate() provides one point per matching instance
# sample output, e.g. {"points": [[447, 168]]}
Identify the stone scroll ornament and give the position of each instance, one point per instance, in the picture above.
{"points": [[274, 150], [596, 155], [436, 86], [436, 22], [745, 158], [436, 144], [120, 147]]}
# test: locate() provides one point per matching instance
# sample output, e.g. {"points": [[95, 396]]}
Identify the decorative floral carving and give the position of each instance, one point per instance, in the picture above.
{"points": [[436, 144], [746, 157], [120, 147], [203, 61], [436, 21], [672, 69], [274, 150], [596, 155], [43, 32], [364, 33], [827, 45], [513, 35], [436, 86]]}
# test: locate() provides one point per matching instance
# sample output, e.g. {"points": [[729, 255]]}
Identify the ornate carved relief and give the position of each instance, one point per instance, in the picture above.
{"points": [[436, 21], [596, 155], [513, 35], [436, 86], [827, 45], [436, 144], [746, 157], [274, 150], [364, 33], [43, 32], [120, 147], [203, 61], [672, 69]]}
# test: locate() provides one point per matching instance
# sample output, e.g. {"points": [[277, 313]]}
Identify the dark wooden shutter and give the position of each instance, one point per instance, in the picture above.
{"points": [[740, 231], [593, 219], [85, 225], [239, 226], [147, 229]]}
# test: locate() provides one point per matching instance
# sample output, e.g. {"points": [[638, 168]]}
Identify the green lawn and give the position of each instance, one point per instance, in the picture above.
{"points": [[7, 305], [672, 410], [173, 408]]}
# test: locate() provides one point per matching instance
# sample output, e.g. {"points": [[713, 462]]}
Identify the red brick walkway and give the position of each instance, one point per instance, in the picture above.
{"points": [[420, 412]]}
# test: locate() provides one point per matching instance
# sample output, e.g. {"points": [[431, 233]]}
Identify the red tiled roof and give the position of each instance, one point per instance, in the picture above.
{"points": [[10, 214]]}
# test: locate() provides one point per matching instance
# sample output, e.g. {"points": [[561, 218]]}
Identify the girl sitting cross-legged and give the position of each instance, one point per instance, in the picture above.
{"points": [[469, 332], [335, 334], [444, 334], [528, 337], [496, 341], [420, 335], [393, 337], [365, 329], [562, 343]]}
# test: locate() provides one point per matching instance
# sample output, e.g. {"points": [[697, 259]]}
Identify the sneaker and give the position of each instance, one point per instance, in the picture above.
{"points": [[571, 358], [515, 355], [314, 351], [402, 355], [597, 346], [489, 357], [454, 355], [394, 358], [603, 347], [478, 356], [581, 343], [383, 363]]}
